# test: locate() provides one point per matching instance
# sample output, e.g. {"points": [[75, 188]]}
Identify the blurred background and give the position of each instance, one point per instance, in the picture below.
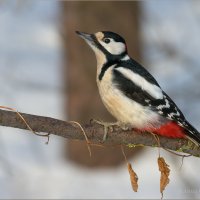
{"points": [[47, 70]]}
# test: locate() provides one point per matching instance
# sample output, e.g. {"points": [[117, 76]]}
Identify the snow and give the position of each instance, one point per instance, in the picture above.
{"points": [[30, 81]]}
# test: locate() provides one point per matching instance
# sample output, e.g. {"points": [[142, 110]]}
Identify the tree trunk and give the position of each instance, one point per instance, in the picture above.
{"points": [[82, 98]]}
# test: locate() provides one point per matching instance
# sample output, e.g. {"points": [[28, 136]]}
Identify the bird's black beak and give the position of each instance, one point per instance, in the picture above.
{"points": [[90, 39], [85, 36]]}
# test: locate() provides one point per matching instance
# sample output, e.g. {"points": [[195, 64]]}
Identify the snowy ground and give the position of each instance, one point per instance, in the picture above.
{"points": [[30, 81]]}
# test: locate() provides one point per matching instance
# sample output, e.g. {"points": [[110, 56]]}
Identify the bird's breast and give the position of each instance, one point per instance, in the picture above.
{"points": [[124, 109]]}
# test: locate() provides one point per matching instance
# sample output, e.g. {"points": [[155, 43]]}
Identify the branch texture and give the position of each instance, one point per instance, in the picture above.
{"points": [[94, 132]]}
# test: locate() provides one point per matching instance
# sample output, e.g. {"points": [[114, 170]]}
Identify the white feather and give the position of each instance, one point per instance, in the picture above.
{"points": [[151, 89], [126, 57], [114, 47]]}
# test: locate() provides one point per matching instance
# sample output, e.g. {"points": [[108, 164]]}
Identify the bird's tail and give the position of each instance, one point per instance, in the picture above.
{"points": [[192, 133]]}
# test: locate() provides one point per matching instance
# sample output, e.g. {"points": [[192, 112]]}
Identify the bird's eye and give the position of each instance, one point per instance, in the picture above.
{"points": [[106, 40]]}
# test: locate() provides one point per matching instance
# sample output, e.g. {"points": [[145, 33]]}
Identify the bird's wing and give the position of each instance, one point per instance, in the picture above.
{"points": [[139, 89], [143, 88]]}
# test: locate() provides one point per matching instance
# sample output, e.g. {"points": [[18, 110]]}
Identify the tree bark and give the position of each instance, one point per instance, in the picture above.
{"points": [[94, 133]]}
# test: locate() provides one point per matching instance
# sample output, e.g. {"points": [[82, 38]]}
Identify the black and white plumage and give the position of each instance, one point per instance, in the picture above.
{"points": [[130, 92]]}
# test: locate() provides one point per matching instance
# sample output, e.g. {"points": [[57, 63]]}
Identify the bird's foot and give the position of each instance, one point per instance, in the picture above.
{"points": [[108, 126], [125, 127]]}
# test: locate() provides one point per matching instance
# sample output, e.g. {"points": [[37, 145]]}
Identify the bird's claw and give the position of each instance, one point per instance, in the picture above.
{"points": [[108, 126]]}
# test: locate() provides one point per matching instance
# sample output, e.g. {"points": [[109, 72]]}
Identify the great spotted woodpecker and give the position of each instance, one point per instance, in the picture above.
{"points": [[131, 94]]}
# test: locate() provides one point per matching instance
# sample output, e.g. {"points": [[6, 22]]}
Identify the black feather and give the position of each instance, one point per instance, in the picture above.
{"points": [[116, 37], [131, 90]]}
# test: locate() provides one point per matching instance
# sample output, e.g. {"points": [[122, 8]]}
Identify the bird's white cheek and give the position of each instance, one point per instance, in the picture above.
{"points": [[113, 47]]}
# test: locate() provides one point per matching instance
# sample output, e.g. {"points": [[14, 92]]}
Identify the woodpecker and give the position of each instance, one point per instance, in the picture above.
{"points": [[131, 94]]}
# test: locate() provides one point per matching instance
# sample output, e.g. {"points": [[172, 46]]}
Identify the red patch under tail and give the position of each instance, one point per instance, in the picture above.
{"points": [[171, 129]]}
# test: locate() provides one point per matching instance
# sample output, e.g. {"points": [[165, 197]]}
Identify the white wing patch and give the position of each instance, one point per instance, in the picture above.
{"points": [[151, 89], [126, 57]]}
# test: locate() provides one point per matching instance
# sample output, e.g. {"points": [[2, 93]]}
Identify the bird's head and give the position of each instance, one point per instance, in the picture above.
{"points": [[106, 45]]}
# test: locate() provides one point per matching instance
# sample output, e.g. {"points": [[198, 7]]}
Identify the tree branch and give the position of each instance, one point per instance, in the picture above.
{"points": [[94, 132]]}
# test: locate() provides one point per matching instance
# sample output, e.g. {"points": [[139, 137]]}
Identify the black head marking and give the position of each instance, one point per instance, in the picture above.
{"points": [[114, 36]]}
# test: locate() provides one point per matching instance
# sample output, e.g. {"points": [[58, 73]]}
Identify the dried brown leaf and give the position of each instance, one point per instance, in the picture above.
{"points": [[165, 171], [133, 177]]}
